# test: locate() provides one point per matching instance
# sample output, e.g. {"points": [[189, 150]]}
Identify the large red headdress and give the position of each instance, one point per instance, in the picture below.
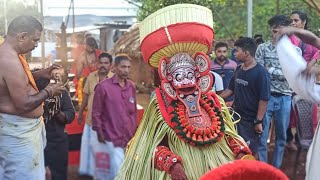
{"points": [[175, 39]]}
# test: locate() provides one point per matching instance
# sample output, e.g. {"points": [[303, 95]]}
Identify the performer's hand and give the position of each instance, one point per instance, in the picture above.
{"points": [[258, 128], [101, 138], [240, 155], [55, 89], [177, 172]]}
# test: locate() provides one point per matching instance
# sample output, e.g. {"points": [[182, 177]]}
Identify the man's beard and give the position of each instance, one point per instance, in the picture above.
{"points": [[222, 58]]}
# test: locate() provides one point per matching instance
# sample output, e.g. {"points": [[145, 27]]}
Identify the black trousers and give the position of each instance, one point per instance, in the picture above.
{"points": [[56, 157]]}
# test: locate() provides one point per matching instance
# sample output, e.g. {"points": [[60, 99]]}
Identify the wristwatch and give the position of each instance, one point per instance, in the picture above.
{"points": [[257, 121]]}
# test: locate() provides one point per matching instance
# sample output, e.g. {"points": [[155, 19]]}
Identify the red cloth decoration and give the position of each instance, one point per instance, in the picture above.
{"points": [[237, 147], [245, 170], [179, 32], [175, 116], [165, 159]]}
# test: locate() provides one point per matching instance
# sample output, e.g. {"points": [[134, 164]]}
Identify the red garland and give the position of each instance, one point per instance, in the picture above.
{"points": [[198, 136], [165, 159], [174, 114]]}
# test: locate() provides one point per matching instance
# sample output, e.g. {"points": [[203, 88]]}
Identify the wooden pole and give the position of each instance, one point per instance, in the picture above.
{"points": [[250, 7], [5, 16], [73, 17], [278, 7], [43, 41]]}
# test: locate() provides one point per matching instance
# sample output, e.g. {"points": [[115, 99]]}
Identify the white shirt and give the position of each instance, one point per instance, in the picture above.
{"points": [[218, 83]]}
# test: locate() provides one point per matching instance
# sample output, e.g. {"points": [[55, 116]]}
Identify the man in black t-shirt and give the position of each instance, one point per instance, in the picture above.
{"points": [[250, 86], [58, 111]]}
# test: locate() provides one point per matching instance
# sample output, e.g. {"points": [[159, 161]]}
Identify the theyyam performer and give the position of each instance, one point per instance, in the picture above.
{"points": [[186, 130]]}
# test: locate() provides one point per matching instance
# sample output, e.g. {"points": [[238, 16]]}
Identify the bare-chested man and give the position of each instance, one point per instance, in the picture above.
{"points": [[86, 64], [22, 134], [88, 59]]}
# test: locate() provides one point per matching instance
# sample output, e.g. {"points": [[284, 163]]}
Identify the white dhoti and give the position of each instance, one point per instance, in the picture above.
{"points": [[22, 142], [304, 85]]}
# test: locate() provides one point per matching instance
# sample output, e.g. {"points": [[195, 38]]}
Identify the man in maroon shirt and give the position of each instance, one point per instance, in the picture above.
{"points": [[114, 110]]}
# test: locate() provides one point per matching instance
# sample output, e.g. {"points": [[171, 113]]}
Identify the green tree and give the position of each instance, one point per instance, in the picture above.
{"points": [[14, 9], [264, 10], [230, 16]]}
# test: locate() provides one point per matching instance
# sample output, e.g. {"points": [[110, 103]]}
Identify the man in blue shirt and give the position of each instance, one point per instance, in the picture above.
{"points": [[222, 65], [250, 86]]}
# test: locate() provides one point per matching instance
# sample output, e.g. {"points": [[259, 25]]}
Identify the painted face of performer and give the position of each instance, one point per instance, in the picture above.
{"points": [[184, 77], [182, 72]]}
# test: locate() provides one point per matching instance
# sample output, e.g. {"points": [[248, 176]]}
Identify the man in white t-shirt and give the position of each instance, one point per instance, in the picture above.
{"points": [[217, 87]]}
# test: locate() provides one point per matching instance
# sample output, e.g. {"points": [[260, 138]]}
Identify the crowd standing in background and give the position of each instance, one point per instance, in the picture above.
{"points": [[89, 136]]}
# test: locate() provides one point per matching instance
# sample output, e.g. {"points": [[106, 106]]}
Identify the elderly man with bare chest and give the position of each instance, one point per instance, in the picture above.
{"points": [[22, 134]]}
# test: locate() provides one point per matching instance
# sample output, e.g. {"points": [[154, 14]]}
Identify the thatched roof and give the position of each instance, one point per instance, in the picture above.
{"points": [[129, 43]]}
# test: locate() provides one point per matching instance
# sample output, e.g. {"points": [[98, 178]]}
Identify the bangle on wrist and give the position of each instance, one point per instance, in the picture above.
{"points": [[47, 92]]}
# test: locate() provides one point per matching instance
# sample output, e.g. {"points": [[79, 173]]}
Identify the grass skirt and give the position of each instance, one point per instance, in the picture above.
{"points": [[139, 164]]}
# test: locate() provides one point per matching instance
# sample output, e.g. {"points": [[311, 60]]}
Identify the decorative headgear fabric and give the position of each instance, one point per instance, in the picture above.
{"points": [[245, 170], [180, 28]]}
